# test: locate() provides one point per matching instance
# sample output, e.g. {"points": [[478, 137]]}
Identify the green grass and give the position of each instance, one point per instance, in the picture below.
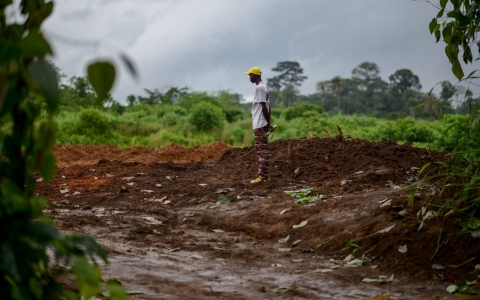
{"points": [[453, 185], [160, 125]]}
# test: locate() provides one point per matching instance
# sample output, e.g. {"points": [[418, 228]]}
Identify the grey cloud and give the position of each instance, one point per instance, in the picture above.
{"points": [[208, 44], [77, 14]]}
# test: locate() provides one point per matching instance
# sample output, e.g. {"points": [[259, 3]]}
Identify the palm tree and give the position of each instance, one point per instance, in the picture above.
{"points": [[322, 87], [337, 85]]}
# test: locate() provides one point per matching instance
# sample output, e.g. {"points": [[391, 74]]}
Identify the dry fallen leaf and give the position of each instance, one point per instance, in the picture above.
{"points": [[300, 225]]}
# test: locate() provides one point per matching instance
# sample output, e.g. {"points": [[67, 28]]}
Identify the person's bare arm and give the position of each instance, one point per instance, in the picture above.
{"points": [[266, 113]]}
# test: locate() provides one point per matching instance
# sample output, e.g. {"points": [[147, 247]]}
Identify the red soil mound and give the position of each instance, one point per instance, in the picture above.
{"points": [[68, 155]]}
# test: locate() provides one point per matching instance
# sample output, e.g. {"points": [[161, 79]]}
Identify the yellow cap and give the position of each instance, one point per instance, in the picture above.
{"points": [[254, 70]]}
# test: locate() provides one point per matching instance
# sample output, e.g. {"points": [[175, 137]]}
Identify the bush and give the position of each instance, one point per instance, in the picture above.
{"points": [[166, 137], [234, 135], [453, 130], [309, 123], [405, 129], [299, 108], [457, 179], [94, 123], [192, 99], [205, 116], [233, 113]]}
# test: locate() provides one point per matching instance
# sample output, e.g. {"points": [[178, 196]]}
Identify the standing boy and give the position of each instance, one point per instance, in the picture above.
{"points": [[261, 123]]}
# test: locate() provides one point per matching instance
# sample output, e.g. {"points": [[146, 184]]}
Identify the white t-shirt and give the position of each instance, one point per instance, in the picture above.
{"points": [[261, 95]]}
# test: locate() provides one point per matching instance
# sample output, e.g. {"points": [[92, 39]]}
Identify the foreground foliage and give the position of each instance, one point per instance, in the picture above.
{"points": [[29, 98], [457, 23], [457, 179]]}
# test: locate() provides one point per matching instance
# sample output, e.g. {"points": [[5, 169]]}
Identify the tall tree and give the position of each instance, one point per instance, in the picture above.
{"points": [[448, 89], [335, 86], [153, 97], [290, 95], [459, 96], [321, 88], [172, 95], [79, 92], [290, 74], [131, 99], [404, 79], [365, 75], [338, 84]]}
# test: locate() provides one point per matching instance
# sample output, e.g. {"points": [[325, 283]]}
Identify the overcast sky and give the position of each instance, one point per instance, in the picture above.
{"points": [[207, 45]]}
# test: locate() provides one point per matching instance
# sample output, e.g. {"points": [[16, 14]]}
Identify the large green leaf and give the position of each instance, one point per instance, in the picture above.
{"points": [[34, 44], [443, 3], [448, 52], [472, 9], [88, 277], [47, 166], [437, 35], [45, 78], [461, 19], [116, 291], [457, 69], [440, 13], [467, 54], [102, 76], [47, 10], [447, 31], [432, 25]]}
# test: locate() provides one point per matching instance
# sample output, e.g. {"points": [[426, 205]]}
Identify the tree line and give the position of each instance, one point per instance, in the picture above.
{"points": [[364, 93]]}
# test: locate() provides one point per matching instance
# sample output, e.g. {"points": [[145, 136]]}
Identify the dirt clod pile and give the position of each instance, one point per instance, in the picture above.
{"points": [[155, 209]]}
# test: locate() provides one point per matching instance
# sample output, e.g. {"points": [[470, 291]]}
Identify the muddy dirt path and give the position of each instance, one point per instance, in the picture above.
{"points": [[156, 214]]}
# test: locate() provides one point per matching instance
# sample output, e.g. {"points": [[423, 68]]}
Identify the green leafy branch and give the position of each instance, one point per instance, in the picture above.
{"points": [[29, 98], [457, 24]]}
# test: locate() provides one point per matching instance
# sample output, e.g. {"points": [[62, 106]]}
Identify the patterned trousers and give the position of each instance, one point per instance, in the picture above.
{"points": [[261, 145]]}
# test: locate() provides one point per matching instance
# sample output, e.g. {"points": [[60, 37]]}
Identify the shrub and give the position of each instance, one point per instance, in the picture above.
{"points": [[453, 129], [309, 123], [94, 123], [299, 108], [234, 135], [405, 129], [192, 99], [233, 113], [166, 137], [205, 116]]}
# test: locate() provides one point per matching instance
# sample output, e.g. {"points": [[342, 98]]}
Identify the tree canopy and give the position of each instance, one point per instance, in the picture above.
{"points": [[290, 75]]}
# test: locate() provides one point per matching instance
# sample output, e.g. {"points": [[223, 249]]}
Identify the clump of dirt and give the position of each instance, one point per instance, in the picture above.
{"points": [[112, 192]]}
